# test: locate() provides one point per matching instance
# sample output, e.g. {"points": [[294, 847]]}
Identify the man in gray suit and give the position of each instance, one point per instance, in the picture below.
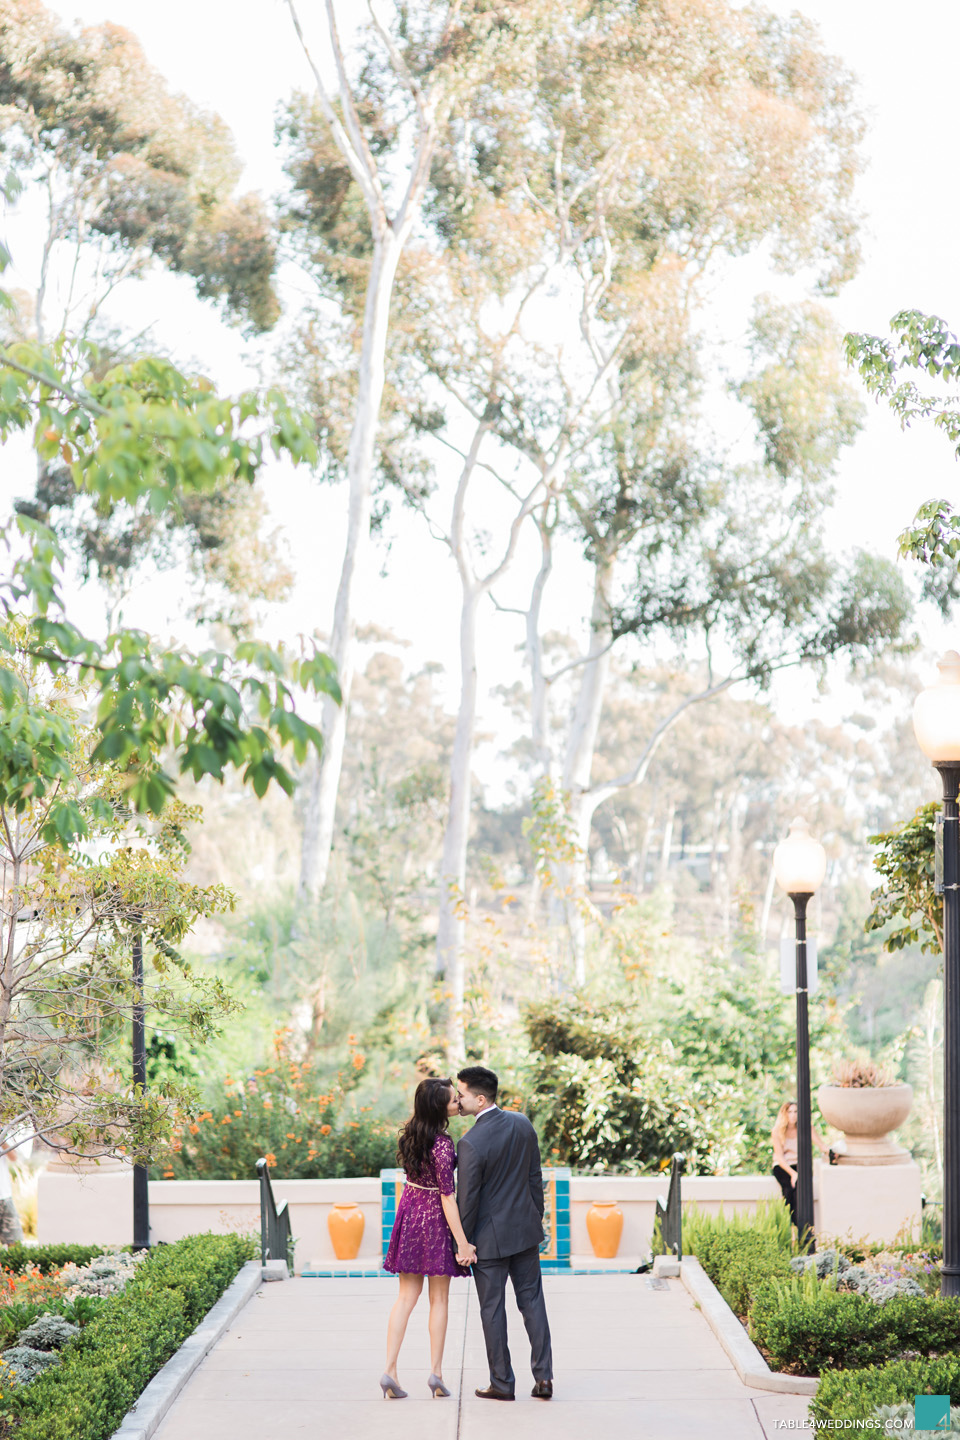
{"points": [[500, 1199]]}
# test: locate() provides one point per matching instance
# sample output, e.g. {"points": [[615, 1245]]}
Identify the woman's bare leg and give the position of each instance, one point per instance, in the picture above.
{"points": [[439, 1307], [407, 1297]]}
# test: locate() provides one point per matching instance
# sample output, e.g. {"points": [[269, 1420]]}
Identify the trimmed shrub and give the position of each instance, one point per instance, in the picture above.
{"points": [[809, 1324], [131, 1336], [854, 1394], [742, 1264], [45, 1258]]}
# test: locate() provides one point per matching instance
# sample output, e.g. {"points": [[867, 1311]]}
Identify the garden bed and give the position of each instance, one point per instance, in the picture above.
{"points": [[77, 1356], [860, 1331]]}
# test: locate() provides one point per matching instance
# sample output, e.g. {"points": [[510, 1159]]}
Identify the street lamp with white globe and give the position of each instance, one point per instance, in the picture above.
{"points": [[936, 723], [800, 863]]}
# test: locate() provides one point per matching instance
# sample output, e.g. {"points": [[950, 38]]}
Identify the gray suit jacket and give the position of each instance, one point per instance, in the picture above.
{"points": [[500, 1185]]}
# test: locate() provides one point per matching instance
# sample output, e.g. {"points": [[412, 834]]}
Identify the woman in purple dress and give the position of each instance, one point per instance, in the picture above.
{"points": [[427, 1237]]}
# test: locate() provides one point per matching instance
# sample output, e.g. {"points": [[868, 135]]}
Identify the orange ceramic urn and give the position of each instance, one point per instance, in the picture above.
{"points": [[345, 1224], [605, 1226]]}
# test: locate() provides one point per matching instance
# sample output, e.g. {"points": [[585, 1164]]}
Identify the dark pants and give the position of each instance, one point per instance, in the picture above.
{"points": [[490, 1277], [789, 1190]]}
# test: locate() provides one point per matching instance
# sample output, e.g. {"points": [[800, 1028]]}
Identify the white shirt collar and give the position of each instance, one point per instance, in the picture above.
{"points": [[487, 1110]]}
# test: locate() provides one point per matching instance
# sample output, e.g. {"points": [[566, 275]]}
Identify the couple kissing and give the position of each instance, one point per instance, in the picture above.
{"points": [[490, 1225]]}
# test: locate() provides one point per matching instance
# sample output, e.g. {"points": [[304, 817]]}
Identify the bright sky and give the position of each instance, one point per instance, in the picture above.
{"points": [[242, 60]]}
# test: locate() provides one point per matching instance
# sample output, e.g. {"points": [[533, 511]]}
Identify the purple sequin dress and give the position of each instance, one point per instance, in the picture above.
{"points": [[421, 1243]]}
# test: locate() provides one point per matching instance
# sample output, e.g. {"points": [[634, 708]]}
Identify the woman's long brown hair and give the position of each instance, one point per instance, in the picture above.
{"points": [[429, 1119]]}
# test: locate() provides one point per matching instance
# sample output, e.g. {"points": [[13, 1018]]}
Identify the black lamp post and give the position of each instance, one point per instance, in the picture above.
{"points": [[936, 722], [141, 1193], [800, 863]]}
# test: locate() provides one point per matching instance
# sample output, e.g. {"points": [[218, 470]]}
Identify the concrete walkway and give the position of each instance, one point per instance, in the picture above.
{"points": [[303, 1359]]}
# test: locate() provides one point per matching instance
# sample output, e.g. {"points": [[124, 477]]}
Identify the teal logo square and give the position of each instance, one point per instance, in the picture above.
{"points": [[931, 1412]]}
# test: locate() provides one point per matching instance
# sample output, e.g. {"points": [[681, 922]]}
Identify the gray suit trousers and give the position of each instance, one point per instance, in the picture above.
{"points": [[490, 1277]]}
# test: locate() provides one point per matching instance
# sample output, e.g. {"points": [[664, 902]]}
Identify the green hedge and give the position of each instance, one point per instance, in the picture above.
{"points": [[809, 1324], [45, 1258], [739, 1262], [132, 1336], [855, 1394]]}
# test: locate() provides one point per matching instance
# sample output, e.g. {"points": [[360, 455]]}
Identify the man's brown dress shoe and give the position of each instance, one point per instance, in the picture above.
{"points": [[491, 1394], [543, 1390]]}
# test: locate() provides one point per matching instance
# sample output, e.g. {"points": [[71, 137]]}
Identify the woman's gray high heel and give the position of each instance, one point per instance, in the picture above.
{"points": [[437, 1387], [391, 1389]]}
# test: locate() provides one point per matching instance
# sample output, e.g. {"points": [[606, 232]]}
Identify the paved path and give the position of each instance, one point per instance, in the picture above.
{"points": [[303, 1359]]}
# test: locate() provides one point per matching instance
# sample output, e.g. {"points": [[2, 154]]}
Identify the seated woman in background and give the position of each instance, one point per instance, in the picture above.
{"points": [[784, 1139]]}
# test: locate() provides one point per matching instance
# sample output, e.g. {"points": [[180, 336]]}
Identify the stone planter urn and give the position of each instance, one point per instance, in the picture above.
{"points": [[866, 1115], [605, 1226], [345, 1226]]}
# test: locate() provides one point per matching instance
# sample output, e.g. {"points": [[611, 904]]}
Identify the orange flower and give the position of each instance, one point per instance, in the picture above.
{"points": [[168, 1174], [359, 1060], [325, 1129], [351, 1039], [290, 1135], [268, 1104], [271, 1159], [238, 1112], [194, 1129], [227, 1120]]}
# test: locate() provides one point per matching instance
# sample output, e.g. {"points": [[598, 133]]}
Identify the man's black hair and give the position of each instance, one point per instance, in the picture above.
{"points": [[480, 1080]]}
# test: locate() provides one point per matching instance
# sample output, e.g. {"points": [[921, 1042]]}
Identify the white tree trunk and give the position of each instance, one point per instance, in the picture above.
{"points": [[667, 844], [325, 781], [577, 767], [539, 685], [767, 907], [450, 928]]}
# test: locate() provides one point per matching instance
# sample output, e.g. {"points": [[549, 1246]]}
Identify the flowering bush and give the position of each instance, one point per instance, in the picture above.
{"points": [[303, 1127]]}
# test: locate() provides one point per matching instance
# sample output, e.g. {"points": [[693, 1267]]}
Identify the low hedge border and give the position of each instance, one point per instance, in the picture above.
{"points": [[811, 1324], [142, 1422], [852, 1395], [17, 1258], [106, 1368]]}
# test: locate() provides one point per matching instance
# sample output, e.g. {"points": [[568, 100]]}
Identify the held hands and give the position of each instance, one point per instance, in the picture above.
{"points": [[466, 1254]]}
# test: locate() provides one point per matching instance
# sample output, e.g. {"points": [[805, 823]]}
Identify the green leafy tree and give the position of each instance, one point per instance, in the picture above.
{"points": [[362, 163], [575, 190], [129, 178], [68, 917], [905, 859], [144, 433], [923, 344], [128, 174], [700, 1064]]}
